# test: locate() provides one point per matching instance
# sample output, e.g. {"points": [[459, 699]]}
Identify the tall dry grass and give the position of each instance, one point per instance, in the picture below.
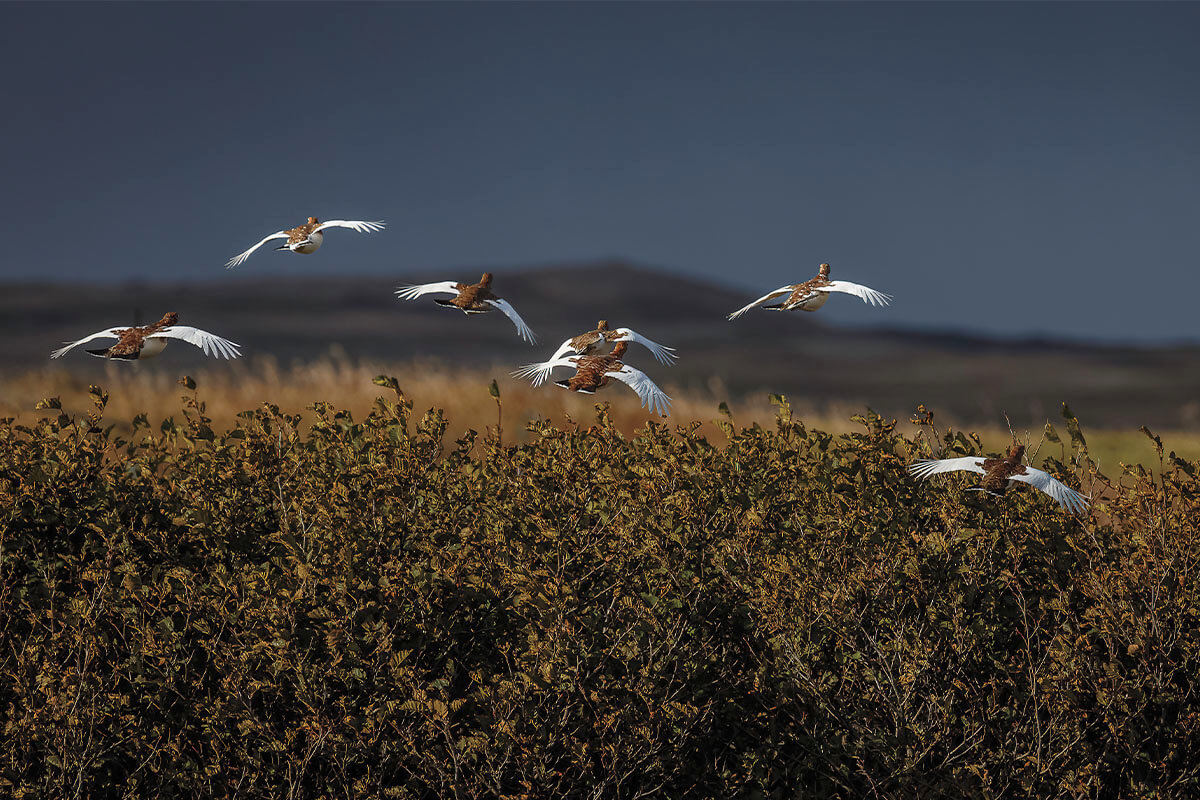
{"points": [[463, 395]]}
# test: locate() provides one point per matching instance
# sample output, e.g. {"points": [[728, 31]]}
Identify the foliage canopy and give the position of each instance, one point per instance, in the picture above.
{"points": [[368, 608]]}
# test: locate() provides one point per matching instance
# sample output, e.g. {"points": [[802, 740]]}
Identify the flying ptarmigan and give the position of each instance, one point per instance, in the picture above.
{"points": [[812, 294], [307, 238], [475, 298], [147, 341]]}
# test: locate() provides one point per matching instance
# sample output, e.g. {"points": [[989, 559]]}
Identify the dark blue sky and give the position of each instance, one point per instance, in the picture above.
{"points": [[1021, 167]]}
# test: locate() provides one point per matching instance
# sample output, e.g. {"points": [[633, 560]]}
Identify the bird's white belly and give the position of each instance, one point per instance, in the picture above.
{"points": [[152, 347], [810, 303], [312, 245]]}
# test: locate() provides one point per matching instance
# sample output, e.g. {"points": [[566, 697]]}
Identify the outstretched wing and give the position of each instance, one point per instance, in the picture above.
{"points": [[652, 396], [782, 290], [1066, 497], [665, 355], [512, 314], [112, 333], [352, 224], [923, 469], [413, 291], [865, 293], [540, 372], [211, 345], [240, 257]]}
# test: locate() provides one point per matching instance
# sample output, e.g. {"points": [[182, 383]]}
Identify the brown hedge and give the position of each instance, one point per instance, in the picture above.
{"points": [[342, 608]]}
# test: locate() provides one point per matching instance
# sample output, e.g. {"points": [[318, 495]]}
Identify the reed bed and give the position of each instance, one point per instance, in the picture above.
{"points": [[464, 396]]}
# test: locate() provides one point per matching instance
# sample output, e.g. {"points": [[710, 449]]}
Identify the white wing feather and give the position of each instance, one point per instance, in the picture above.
{"points": [[413, 291], [782, 290], [562, 350], [512, 314], [352, 224], [652, 396], [213, 346], [541, 371], [240, 257], [865, 293], [1066, 497], [112, 333], [923, 469], [665, 355]]}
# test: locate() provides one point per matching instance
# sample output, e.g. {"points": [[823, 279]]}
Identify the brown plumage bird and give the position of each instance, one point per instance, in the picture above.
{"points": [[594, 372], [997, 472], [589, 343], [813, 293], [474, 298], [147, 341], [307, 238]]}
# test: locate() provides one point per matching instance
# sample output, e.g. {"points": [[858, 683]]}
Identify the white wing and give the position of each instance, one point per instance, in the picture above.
{"points": [[563, 349], [240, 257], [665, 355], [858, 290], [1067, 497], [540, 372], [512, 314], [111, 333], [782, 290], [923, 469], [646, 389], [352, 224], [413, 291], [211, 345]]}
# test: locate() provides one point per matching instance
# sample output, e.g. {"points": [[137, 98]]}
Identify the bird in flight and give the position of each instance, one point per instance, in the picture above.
{"points": [[476, 298], [997, 472], [307, 238], [594, 372], [812, 294], [588, 343], [147, 341]]}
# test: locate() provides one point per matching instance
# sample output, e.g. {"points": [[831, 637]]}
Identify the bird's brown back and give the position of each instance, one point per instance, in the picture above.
{"points": [[591, 371], [998, 471], [803, 290], [302, 232], [131, 340], [473, 296], [586, 342]]}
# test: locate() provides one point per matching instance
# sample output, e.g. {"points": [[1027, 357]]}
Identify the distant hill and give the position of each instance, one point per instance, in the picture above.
{"points": [[805, 356]]}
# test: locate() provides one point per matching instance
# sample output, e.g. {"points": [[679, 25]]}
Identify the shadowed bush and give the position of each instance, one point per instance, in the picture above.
{"points": [[338, 608]]}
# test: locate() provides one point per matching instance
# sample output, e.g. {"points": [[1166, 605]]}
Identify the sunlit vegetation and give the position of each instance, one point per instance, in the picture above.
{"points": [[364, 604], [462, 395]]}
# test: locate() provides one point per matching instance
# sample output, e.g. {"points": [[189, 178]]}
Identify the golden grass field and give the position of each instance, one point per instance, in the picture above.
{"points": [[464, 396]]}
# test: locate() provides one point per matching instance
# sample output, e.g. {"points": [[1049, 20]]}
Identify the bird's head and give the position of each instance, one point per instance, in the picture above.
{"points": [[169, 318], [1016, 451], [486, 280], [602, 325], [824, 271], [312, 220]]}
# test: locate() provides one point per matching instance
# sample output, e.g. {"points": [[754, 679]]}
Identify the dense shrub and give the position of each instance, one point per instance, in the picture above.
{"points": [[367, 609]]}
